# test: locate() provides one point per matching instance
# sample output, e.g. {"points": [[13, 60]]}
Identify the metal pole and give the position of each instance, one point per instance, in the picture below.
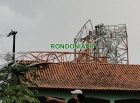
{"points": [[14, 36], [14, 46]]}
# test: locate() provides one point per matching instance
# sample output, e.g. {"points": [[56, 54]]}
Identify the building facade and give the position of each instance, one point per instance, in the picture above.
{"points": [[101, 83]]}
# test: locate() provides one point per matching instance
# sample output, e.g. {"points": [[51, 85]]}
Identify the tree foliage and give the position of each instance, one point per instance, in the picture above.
{"points": [[14, 84]]}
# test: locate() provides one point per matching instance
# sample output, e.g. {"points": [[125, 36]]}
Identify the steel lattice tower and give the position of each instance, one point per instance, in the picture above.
{"points": [[110, 40]]}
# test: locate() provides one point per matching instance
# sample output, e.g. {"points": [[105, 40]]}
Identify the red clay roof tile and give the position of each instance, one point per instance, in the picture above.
{"points": [[90, 76]]}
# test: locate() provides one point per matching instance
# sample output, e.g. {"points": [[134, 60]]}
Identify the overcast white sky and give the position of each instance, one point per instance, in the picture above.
{"points": [[42, 22]]}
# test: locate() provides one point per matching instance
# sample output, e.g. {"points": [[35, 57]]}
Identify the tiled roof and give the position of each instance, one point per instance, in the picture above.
{"points": [[89, 76]]}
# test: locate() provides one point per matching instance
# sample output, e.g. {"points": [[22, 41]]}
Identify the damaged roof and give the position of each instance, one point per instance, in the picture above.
{"points": [[90, 76]]}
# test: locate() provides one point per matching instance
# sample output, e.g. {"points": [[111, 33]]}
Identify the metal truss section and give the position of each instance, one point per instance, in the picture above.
{"points": [[37, 57], [110, 40]]}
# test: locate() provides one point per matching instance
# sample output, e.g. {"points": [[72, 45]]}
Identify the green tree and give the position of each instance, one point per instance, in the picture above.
{"points": [[14, 82]]}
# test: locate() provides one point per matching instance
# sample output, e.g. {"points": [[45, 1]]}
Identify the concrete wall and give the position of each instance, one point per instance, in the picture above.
{"points": [[107, 95], [113, 95]]}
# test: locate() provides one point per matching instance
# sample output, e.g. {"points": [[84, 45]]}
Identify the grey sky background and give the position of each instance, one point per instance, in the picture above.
{"points": [[42, 22]]}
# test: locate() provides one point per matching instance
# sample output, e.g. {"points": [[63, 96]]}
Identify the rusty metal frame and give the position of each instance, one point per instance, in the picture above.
{"points": [[50, 57], [57, 57]]}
